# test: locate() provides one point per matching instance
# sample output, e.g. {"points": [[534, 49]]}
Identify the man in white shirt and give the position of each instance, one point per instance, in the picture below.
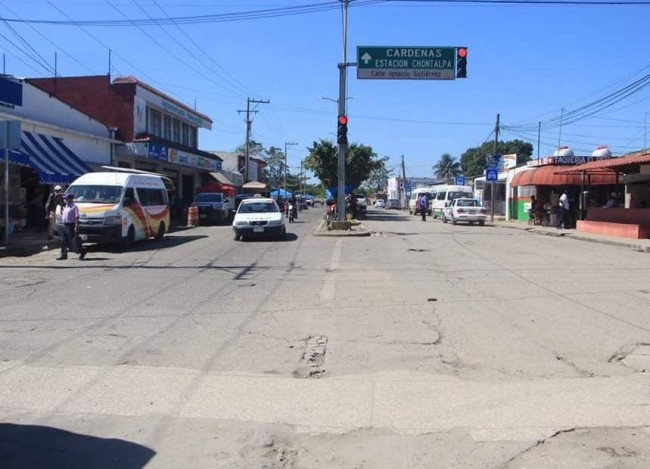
{"points": [[563, 210]]}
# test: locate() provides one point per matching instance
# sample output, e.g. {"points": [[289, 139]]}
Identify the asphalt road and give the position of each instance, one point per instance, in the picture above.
{"points": [[423, 345]]}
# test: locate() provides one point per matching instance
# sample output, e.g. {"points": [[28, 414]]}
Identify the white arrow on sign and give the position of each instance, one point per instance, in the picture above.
{"points": [[366, 58]]}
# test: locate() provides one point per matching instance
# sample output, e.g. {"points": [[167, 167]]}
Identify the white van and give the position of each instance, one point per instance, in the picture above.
{"points": [[443, 194], [121, 207], [417, 192]]}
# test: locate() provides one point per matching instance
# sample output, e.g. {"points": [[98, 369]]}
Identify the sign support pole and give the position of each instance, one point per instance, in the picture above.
{"points": [[496, 142], [5, 151]]}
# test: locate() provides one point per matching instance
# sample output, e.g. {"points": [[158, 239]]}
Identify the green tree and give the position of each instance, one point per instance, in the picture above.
{"points": [[322, 160], [447, 167], [274, 170], [378, 178], [474, 160], [254, 149]]}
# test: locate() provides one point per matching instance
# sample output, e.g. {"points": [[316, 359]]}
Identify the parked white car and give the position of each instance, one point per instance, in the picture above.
{"points": [[258, 218], [465, 210]]}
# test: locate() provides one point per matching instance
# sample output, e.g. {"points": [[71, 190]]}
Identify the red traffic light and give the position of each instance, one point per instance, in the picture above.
{"points": [[343, 120], [461, 52]]}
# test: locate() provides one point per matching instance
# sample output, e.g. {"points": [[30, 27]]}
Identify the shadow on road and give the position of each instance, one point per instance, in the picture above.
{"points": [[30, 446]]}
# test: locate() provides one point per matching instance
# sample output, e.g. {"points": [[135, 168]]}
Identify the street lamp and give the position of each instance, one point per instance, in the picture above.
{"points": [[286, 144]]}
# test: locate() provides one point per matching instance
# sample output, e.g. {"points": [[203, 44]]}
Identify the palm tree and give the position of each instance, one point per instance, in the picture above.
{"points": [[447, 167]]}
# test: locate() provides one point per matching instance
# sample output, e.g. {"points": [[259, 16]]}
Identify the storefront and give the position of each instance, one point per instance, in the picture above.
{"points": [[543, 179], [57, 145], [627, 212]]}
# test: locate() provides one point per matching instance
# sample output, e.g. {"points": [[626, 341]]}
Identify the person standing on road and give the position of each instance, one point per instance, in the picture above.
{"points": [[563, 208], [424, 201], [70, 220], [54, 200]]}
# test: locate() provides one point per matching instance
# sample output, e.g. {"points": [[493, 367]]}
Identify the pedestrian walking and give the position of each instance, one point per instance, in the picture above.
{"points": [[563, 208], [54, 200], [424, 202], [70, 234]]}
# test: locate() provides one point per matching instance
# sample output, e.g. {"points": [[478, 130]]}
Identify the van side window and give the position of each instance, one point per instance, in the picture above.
{"points": [[149, 197], [441, 195]]}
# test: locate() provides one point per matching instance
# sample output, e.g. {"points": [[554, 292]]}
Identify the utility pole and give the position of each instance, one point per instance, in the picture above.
{"points": [[248, 129], [285, 165], [403, 200], [496, 143], [301, 191], [539, 136]]}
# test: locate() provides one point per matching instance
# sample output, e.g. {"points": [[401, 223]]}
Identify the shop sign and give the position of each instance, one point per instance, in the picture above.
{"points": [[186, 159], [157, 152], [565, 160]]}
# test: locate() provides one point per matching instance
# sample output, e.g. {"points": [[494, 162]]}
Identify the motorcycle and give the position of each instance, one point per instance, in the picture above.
{"points": [[292, 212]]}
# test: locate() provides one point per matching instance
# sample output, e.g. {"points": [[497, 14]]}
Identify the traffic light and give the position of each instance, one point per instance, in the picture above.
{"points": [[461, 62], [342, 133]]}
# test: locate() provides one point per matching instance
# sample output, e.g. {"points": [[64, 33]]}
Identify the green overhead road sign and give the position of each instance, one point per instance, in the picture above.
{"points": [[406, 63]]}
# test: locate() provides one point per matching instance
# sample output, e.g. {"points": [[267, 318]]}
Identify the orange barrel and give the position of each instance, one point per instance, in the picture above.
{"points": [[193, 216]]}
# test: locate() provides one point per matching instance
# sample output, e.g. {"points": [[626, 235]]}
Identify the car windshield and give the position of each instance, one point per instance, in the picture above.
{"points": [[209, 197], [467, 203], [458, 195], [96, 194], [258, 207]]}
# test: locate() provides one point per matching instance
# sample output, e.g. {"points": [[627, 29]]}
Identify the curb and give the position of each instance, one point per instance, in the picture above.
{"points": [[577, 236], [320, 230]]}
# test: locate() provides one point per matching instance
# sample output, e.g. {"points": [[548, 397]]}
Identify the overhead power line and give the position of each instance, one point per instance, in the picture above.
{"points": [[308, 9]]}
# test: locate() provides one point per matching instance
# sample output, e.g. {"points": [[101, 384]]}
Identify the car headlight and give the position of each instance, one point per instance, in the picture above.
{"points": [[113, 220]]}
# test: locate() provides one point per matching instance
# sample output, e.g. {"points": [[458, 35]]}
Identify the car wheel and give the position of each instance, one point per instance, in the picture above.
{"points": [[161, 232], [453, 221], [481, 222], [236, 237], [471, 223], [129, 239], [444, 218]]}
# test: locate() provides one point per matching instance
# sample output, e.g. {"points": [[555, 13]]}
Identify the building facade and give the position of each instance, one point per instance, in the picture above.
{"points": [[157, 132]]}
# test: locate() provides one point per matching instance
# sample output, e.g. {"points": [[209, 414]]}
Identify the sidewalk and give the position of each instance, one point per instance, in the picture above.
{"points": [[27, 242], [642, 245]]}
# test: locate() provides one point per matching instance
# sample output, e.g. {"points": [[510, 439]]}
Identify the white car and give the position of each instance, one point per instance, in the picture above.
{"points": [[465, 210], [380, 203], [258, 218]]}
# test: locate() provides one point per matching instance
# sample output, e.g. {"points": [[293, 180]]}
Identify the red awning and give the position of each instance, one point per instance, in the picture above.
{"points": [[546, 176]]}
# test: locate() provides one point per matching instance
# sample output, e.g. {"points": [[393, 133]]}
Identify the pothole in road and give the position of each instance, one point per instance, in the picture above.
{"points": [[313, 358]]}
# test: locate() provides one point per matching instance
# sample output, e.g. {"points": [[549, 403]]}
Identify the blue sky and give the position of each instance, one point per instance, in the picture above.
{"points": [[526, 63]]}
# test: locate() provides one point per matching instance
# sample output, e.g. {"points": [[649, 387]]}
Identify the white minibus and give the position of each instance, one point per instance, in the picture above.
{"points": [[417, 192], [443, 194], [121, 207]]}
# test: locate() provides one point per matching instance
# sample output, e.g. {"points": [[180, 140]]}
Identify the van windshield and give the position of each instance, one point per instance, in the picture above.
{"points": [[460, 195], [95, 194]]}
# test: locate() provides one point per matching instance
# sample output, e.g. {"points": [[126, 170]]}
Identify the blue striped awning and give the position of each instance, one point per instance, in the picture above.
{"points": [[54, 162]]}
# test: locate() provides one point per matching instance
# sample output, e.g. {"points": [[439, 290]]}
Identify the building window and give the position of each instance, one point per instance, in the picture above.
{"points": [[192, 142], [176, 131], [167, 127], [154, 124], [185, 136]]}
